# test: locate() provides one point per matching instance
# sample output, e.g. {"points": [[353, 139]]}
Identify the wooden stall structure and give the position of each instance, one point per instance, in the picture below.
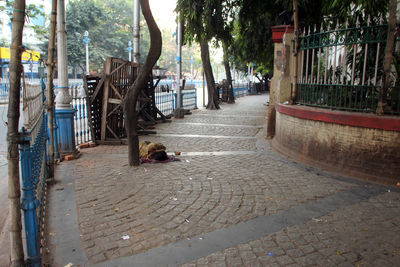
{"points": [[106, 93]]}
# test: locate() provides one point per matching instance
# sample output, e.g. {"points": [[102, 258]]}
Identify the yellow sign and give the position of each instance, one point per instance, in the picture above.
{"points": [[28, 55]]}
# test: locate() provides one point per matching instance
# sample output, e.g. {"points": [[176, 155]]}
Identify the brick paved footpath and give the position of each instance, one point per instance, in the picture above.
{"points": [[230, 201]]}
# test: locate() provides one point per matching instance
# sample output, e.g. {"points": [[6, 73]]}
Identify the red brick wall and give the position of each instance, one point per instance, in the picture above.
{"points": [[351, 150]]}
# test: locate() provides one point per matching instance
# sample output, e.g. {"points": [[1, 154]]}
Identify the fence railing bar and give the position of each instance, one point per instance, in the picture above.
{"points": [[326, 65], [308, 52], [353, 67], [365, 55], [312, 58], [302, 59], [319, 55], [376, 63], [336, 37]]}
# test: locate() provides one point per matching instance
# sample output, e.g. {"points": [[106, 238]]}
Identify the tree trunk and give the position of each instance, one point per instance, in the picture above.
{"points": [[388, 58], [14, 192], [50, 88], [231, 98], [130, 101], [211, 89]]}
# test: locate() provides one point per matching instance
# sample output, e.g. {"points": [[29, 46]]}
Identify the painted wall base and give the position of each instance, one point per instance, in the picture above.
{"points": [[354, 144], [66, 132]]}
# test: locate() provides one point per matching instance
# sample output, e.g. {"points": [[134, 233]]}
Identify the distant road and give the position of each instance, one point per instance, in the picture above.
{"points": [[4, 236], [3, 130], [4, 227]]}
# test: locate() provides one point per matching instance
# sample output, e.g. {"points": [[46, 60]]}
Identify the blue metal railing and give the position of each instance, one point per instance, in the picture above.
{"points": [[166, 102], [4, 88], [33, 157], [189, 99], [237, 91], [240, 91]]}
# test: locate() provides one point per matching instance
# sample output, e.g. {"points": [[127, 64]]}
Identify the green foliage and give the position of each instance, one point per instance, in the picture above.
{"points": [[32, 11], [340, 10], [252, 28], [252, 33], [4, 42], [167, 58], [204, 19], [109, 24], [109, 27]]}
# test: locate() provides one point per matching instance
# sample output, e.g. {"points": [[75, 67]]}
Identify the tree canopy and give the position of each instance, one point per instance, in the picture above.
{"points": [[252, 32], [109, 24], [201, 24], [33, 11]]}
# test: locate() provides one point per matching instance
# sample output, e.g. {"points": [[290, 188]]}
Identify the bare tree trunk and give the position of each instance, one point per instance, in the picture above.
{"points": [[388, 58], [231, 98], [50, 75], [211, 89], [14, 192], [130, 101]]}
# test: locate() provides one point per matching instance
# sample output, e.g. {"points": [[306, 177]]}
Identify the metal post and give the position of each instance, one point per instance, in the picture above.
{"points": [[204, 90], [29, 203], [31, 66], [3, 80], [179, 64], [136, 32], [234, 74], [191, 68], [248, 75], [55, 129], [130, 50], [195, 98], [86, 40], [252, 78]]}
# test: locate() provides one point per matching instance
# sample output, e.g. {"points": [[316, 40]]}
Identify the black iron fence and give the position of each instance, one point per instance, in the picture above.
{"points": [[342, 69]]}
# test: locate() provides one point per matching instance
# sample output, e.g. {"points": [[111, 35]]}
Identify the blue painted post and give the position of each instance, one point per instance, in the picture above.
{"points": [[46, 156], [65, 130], [55, 128], [81, 119], [3, 87], [74, 106], [174, 101], [29, 203], [86, 119], [195, 98]]}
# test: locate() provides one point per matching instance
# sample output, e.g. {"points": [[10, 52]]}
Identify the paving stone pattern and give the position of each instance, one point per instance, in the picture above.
{"points": [[209, 130], [159, 204], [365, 234]]}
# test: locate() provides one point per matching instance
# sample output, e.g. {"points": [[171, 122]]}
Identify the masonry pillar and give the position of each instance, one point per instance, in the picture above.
{"points": [[280, 89], [64, 111]]}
